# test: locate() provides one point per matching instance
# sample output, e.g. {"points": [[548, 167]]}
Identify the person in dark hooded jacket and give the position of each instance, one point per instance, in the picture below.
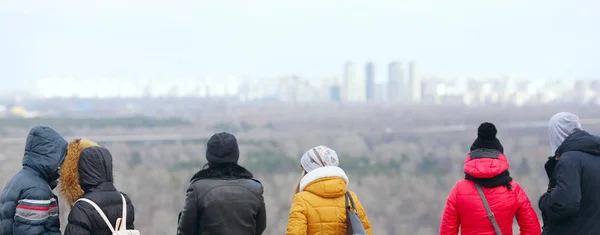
{"points": [[571, 204], [88, 173], [224, 198], [27, 204]]}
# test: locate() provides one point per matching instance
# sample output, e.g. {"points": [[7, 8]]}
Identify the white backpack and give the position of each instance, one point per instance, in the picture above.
{"points": [[121, 222]]}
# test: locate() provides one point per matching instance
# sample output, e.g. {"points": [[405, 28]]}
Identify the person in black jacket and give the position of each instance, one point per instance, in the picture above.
{"points": [[571, 204], [88, 173], [223, 198], [27, 204]]}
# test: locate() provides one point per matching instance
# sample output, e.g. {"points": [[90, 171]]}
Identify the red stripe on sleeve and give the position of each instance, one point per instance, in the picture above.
{"points": [[35, 208]]}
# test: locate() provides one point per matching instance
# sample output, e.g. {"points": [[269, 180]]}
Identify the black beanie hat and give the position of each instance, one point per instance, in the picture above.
{"points": [[486, 138], [222, 148]]}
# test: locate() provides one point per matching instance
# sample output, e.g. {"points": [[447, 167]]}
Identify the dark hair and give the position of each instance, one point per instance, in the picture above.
{"points": [[222, 171]]}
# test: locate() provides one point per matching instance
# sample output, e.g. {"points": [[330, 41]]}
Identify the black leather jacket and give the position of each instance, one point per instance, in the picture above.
{"points": [[223, 207]]}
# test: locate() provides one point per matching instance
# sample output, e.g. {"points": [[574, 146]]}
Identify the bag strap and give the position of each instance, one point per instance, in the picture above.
{"points": [[490, 214], [123, 225], [349, 198], [99, 212]]}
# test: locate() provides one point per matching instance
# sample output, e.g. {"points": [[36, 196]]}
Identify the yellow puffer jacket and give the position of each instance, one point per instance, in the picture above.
{"points": [[319, 207]]}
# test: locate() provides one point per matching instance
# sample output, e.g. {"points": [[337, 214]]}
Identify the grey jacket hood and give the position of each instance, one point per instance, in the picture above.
{"points": [[560, 126]]}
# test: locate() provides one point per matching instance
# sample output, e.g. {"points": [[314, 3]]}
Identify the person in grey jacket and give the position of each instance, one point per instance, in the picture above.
{"points": [[223, 198], [27, 204]]}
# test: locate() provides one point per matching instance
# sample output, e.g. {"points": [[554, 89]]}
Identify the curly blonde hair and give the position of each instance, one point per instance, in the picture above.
{"points": [[69, 171]]}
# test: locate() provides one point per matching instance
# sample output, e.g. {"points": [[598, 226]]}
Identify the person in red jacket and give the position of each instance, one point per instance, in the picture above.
{"points": [[487, 167]]}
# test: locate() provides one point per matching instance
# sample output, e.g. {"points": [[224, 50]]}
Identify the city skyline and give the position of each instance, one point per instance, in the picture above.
{"points": [[311, 38], [356, 84], [405, 85]]}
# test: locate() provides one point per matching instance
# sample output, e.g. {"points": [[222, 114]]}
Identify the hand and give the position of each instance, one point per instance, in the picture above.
{"points": [[53, 184], [549, 166]]}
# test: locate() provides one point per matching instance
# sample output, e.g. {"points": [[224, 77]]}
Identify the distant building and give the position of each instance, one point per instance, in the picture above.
{"points": [[288, 89], [380, 92], [306, 92], [353, 88], [370, 81], [432, 89], [416, 84], [395, 79], [147, 90], [595, 85], [232, 86], [335, 93]]}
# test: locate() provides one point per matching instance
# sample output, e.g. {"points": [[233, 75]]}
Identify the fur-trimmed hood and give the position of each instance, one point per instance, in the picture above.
{"points": [[223, 171], [87, 167]]}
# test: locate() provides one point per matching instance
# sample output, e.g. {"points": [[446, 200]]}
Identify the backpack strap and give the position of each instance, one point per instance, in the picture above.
{"points": [[490, 214], [123, 223], [99, 212]]}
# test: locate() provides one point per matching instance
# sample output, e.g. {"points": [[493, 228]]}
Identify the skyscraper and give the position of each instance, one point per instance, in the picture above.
{"points": [[353, 88], [334, 93], [370, 81], [347, 75], [416, 90], [335, 90], [395, 78]]}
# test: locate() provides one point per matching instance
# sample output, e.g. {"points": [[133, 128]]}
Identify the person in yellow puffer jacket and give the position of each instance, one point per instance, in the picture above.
{"points": [[318, 207]]}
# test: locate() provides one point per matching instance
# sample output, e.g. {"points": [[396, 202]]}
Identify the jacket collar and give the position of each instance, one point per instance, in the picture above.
{"points": [[322, 172]]}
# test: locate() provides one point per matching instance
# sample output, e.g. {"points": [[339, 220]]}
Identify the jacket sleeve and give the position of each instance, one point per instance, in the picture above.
{"points": [[563, 201], [362, 214], [36, 213], [297, 223], [528, 221], [78, 221], [130, 212], [261, 217], [188, 222], [450, 222]]}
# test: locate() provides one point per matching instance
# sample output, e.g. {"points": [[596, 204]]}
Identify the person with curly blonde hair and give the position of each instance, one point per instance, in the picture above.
{"points": [[87, 173]]}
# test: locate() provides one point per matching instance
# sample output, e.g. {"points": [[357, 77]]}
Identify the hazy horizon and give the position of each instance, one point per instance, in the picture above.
{"points": [[154, 39]]}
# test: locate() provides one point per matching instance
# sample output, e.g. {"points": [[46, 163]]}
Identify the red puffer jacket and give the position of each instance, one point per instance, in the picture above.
{"points": [[465, 210]]}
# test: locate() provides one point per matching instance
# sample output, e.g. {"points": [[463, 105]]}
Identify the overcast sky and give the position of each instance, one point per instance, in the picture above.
{"points": [[310, 38]]}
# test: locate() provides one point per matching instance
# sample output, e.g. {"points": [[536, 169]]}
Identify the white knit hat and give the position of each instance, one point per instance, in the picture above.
{"points": [[319, 156], [560, 126]]}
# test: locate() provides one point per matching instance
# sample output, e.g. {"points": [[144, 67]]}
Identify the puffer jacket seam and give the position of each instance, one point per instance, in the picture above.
{"points": [[516, 204], [305, 202], [320, 222], [42, 137], [85, 212], [305, 205]]}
